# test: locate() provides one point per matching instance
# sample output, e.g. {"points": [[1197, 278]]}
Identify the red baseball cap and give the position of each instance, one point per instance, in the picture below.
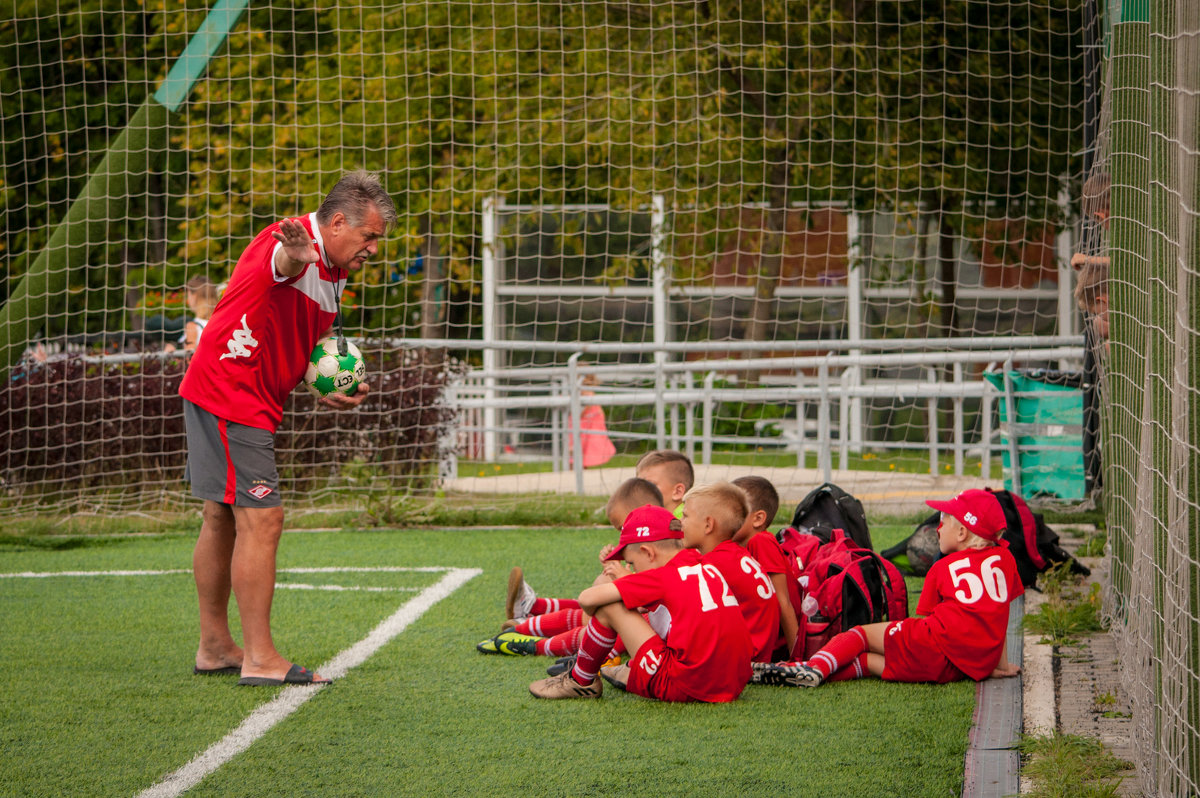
{"points": [[979, 511], [647, 524]]}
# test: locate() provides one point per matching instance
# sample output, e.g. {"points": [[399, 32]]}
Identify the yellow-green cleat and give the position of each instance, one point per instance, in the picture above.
{"points": [[510, 643]]}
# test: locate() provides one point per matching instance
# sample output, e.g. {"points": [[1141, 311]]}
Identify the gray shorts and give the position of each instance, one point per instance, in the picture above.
{"points": [[230, 463]]}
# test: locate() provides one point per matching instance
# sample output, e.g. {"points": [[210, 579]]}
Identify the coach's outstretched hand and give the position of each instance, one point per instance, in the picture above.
{"points": [[339, 401], [299, 249]]}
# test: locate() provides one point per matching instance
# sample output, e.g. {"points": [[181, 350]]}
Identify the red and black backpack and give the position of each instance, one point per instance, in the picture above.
{"points": [[848, 585]]}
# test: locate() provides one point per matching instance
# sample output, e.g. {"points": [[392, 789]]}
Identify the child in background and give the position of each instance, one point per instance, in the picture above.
{"points": [[594, 442], [672, 474], [765, 548], [965, 601], [692, 645], [201, 296], [712, 515], [554, 626]]}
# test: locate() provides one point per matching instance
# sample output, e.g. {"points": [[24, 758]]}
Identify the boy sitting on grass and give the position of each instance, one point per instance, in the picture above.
{"points": [[554, 626], [712, 515], [691, 646], [765, 548], [671, 472], [964, 633]]}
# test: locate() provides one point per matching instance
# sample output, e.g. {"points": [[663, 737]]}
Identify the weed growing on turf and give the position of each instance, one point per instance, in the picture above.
{"points": [[1068, 611], [1070, 766], [1093, 546]]}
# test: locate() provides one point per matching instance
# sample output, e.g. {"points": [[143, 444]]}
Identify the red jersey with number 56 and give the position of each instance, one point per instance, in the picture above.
{"points": [[692, 608], [755, 593], [256, 346], [965, 601]]}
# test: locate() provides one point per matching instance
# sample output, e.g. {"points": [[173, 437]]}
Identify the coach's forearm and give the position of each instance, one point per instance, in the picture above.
{"points": [[285, 266]]}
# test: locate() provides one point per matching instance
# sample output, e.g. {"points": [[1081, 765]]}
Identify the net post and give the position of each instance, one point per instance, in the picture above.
{"points": [[491, 357]]}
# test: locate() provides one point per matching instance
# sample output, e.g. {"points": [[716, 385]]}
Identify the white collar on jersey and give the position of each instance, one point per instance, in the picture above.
{"points": [[316, 228]]}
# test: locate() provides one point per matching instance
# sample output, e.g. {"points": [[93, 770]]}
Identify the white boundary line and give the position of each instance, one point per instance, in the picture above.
{"points": [[381, 569], [291, 698]]}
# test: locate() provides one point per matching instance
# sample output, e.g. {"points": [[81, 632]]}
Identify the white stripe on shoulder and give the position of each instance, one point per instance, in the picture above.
{"points": [[323, 292]]}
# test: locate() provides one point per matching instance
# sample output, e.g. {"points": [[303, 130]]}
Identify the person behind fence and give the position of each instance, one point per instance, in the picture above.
{"points": [[594, 442], [692, 643], [282, 298], [1095, 206], [1091, 294], [201, 296], [965, 604], [671, 472]]}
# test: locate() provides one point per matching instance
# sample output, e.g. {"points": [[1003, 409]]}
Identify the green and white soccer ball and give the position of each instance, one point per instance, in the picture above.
{"points": [[329, 373]]}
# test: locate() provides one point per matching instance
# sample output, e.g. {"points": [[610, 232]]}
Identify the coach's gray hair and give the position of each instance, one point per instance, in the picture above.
{"points": [[353, 195]]}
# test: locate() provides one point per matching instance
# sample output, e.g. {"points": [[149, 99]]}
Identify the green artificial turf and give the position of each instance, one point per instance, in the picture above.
{"points": [[98, 696]]}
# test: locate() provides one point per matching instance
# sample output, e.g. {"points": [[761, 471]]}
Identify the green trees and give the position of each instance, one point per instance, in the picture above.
{"points": [[715, 104]]}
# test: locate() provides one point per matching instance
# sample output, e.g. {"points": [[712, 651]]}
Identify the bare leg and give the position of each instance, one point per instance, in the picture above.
{"points": [[253, 580], [876, 633], [211, 564]]}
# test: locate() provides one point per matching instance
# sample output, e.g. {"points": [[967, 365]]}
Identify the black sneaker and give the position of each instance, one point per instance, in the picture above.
{"points": [[793, 674], [561, 665]]}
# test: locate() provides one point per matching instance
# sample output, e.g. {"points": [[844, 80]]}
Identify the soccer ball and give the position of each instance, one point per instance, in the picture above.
{"points": [[328, 372], [923, 549]]}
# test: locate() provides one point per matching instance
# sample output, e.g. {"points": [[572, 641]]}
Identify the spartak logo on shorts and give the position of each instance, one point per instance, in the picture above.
{"points": [[259, 491]]}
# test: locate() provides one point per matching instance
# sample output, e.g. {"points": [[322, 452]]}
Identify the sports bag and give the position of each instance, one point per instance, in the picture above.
{"points": [[843, 584], [827, 508], [1031, 541]]}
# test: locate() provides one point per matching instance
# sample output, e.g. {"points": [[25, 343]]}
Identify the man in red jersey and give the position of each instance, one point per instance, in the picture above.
{"points": [[281, 300]]}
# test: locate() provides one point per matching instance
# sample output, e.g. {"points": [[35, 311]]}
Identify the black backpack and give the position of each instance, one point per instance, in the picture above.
{"points": [[827, 508], [1031, 541]]}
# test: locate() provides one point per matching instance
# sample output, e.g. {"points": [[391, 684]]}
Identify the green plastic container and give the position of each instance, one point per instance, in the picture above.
{"points": [[1048, 410]]}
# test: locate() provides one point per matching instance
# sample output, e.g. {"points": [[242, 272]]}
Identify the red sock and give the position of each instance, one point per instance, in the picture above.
{"points": [[551, 623], [541, 606], [561, 645], [839, 652], [597, 642], [855, 670]]}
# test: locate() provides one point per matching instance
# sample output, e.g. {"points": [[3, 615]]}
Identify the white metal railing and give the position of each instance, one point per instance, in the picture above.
{"points": [[684, 392]]}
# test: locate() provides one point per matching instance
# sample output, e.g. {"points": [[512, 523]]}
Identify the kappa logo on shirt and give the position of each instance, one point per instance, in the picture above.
{"points": [[259, 492], [241, 341]]}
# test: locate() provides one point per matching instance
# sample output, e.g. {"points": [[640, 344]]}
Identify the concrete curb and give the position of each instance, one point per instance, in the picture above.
{"points": [[992, 765]]}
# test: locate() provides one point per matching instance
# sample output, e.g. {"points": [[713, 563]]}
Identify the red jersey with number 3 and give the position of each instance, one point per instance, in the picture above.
{"points": [[256, 346], [755, 593], [765, 548], [965, 601], [692, 608]]}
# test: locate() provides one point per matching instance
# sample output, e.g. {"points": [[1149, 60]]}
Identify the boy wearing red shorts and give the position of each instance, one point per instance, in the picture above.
{"points": [[964, 631], [691, 646]]}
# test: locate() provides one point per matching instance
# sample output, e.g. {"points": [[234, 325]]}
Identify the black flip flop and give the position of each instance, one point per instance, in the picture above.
{"points": [[297, 674], [228, 670]]}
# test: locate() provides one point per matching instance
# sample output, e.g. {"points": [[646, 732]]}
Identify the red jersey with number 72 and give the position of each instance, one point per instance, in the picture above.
{"points": [[755, 593], [965, 601], [691, 607]]}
